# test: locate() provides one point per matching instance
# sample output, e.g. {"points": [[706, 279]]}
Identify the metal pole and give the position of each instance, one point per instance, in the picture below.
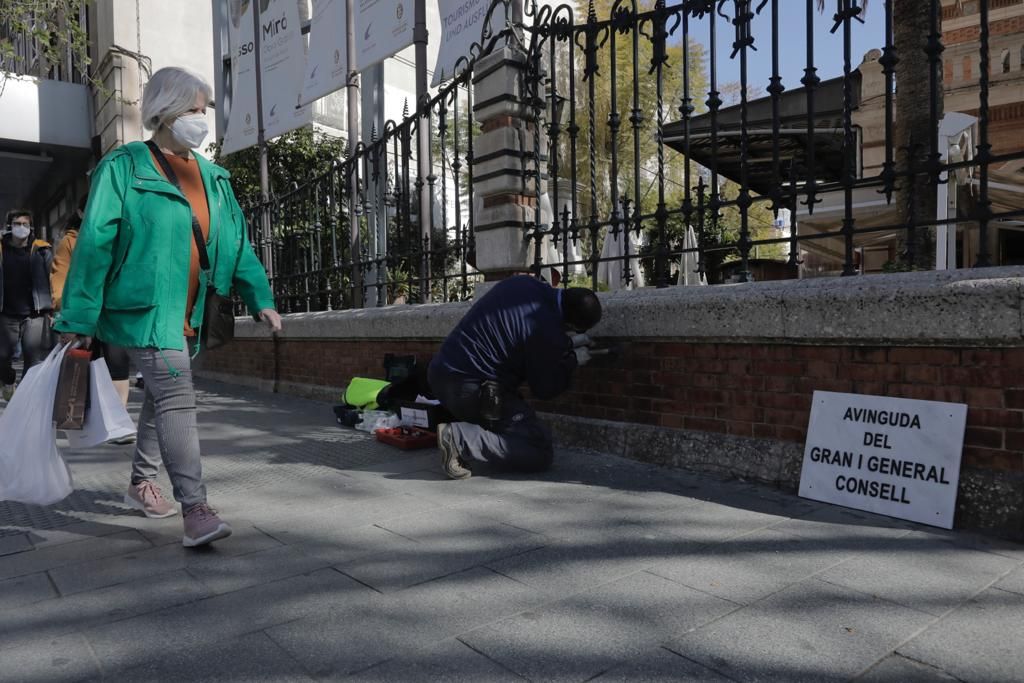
{"points": [[419, 38], [372, 97], [261, 142], [353, 141]]}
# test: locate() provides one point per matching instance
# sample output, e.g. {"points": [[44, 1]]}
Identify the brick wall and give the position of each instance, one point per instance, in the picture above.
{"points": [[765, 391], [760, 391], [966, 34]]}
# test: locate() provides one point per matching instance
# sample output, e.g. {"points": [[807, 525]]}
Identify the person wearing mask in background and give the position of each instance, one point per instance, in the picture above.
{"points": [[522, 330], [27, 303], [136, 281], [116, 356]]}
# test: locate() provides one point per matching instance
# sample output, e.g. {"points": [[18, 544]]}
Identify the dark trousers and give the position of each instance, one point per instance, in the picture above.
{"points": [[518, 442], [36, 337], [116, 357]]}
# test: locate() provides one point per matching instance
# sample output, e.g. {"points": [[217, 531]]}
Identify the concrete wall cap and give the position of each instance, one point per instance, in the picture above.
{"points": [[980, 306]]}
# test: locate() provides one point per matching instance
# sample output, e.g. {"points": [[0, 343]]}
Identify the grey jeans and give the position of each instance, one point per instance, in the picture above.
{"points": [[167, 424], [37, 340]]}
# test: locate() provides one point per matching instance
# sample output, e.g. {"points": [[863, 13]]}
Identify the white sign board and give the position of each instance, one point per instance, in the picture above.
{"points": [[462, 24], [327, 60], [282, 59], [241, 131], [383, 27], [891, 456]]}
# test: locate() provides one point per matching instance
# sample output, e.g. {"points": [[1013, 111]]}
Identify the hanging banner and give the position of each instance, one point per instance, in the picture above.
{"points": [[327, 60], [241, 131], [383, 27], [282, 60], [462, 24]]}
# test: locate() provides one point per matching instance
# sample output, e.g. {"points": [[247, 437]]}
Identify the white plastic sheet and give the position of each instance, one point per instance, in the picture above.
{"points": [[31, 468], [106, 418]]}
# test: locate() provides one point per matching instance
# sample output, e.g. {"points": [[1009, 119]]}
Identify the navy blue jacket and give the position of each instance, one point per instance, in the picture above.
{"points": [[514, 334], [40, 262]]}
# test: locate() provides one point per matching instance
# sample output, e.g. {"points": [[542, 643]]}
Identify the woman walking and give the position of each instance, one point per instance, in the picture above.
{"points": [[136, 281]]}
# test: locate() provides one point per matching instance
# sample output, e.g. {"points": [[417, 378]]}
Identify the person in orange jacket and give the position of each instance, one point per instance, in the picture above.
{"points": [[116, 356]]}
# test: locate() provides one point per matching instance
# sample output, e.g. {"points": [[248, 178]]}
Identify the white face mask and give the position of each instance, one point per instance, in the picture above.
{"points": [[21, 232], [190, 130]]}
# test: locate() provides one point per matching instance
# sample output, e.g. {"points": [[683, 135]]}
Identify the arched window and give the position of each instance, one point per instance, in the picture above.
{"points": [[967, 68], [1006, 61]]}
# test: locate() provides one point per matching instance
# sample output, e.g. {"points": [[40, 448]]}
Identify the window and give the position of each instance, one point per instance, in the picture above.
{"points": [[967, 68], [1006, 61]]}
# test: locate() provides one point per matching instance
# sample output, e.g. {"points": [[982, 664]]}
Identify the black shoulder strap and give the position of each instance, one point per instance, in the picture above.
{"points": [[197, 231]]}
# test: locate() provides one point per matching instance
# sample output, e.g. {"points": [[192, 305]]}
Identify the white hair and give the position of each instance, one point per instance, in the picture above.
{"points": [[171, 92]]}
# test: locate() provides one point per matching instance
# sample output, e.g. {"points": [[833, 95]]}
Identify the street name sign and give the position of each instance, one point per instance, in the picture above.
{"points": [[892, 456]]}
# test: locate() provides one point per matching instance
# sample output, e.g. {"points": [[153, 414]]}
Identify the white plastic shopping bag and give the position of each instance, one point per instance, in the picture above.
{"points": [[31, 468], [106, 419]]}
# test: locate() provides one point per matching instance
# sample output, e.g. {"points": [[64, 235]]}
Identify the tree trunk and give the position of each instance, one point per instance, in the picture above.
{"points": [[915, 198]]}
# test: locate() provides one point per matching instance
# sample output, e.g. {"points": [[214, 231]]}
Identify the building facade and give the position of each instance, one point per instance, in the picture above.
{"points": [[57, 121]]}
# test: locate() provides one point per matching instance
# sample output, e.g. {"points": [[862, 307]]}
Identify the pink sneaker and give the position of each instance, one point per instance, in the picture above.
{"points": [[146, 496], [202, 526]]}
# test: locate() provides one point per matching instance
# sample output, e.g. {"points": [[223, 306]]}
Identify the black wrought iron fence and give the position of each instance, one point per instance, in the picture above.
{"points": [[680, 144], [327, 247]]}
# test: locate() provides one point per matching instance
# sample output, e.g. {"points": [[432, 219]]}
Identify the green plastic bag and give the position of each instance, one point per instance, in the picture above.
{"points": [[362, 392]]}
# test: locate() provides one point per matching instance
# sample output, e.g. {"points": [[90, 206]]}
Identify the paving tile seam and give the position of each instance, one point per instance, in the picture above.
{"points": [[266, 634], [813, 575], [835, 584], [92, 653], [53, 585], [361, 582], [919, 662], [935, 621], [653, 572], [73, 563], [491, 659], [377, 525], [118, 672], [159, 571], [704, 665], [991, 585]]}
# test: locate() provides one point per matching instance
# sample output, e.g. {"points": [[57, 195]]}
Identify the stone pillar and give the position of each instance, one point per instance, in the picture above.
{"points": [[504, 164]]}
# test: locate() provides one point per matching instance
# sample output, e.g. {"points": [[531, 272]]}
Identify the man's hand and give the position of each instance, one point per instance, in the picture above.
{"points": [[579, 340], [272, 318], [582, 355], [83, 341]]}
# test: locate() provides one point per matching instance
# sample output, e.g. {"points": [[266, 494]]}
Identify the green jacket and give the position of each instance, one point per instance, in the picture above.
{"points": [[128, 283]]}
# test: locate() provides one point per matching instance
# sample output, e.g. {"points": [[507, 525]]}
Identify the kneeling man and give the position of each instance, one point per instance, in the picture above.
{"points": [[522, 330]]}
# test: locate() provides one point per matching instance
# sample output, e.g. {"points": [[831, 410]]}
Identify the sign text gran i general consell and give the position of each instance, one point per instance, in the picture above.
{"points": [[887, 455]]}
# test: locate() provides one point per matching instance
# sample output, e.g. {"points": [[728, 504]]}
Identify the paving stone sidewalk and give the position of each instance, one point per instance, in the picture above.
{"points": [[354, 560]]}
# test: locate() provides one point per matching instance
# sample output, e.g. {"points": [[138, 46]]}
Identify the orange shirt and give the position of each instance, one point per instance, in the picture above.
{"points": [[191, 181]]}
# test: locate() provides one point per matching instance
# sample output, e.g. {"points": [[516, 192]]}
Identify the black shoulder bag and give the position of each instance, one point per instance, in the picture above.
{"points": [[218, 326]]}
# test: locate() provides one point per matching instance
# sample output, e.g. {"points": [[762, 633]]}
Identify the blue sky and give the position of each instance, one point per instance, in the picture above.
{"points": [[828, 48]]}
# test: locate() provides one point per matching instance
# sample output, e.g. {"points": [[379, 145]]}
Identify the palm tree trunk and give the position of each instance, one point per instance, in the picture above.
{"points": [[915, 198]]}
